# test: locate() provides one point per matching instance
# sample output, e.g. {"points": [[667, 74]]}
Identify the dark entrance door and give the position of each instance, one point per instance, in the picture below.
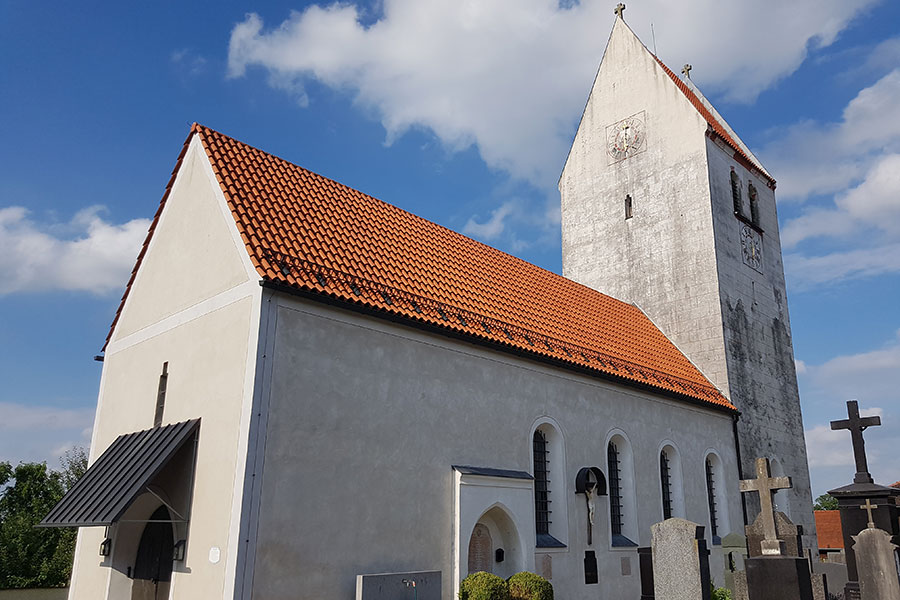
{"points": [[153, 565]]}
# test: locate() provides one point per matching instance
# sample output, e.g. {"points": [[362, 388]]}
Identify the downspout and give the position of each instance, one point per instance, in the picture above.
{"points": [[737, 450]]}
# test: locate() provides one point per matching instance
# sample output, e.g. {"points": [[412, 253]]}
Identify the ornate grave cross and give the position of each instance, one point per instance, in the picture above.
{"points": [[857, 425], [620, 10], [868, 506], [766, 485]]}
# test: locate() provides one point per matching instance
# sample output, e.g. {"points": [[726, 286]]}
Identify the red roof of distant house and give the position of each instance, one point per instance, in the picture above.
{"points": [[311, 233], [896, 484], [828, 529], [714, 123]]}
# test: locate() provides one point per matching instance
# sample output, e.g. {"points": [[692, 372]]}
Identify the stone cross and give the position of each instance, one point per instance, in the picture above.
{"points": [[686, 69], [857, 425], [868, 506], [766, 485], [620, 10]]}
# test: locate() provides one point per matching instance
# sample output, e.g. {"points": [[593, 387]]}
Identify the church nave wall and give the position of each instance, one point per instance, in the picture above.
{"points": [[366, 419]]}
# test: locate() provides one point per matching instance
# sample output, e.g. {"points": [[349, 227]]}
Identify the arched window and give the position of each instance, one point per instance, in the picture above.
{"points": [[622, 517], [550, 522], [670, 482], [628, 207], [736, 193], [665, 479], [716, 498], [541, 485], [754, 204]]}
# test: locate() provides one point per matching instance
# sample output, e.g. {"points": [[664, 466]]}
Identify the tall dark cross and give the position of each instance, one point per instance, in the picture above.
{"points": [[857, 425], [766, 485]]}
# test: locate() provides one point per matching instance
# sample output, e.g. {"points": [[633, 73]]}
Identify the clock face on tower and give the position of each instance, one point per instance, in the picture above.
{"points": [[751, 247], [626, 138]]}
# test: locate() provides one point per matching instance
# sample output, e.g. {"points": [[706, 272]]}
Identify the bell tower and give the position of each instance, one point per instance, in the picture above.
{"points": [[665, 207]]}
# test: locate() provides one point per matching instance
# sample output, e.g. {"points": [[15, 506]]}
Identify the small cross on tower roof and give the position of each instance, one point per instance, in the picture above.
{"points": [[620, 10], [686, 69], [857, 425], [766, 485]]}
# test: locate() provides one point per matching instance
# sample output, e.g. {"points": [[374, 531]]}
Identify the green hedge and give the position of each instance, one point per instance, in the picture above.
{"points": [[528, 586], [483, 586]]}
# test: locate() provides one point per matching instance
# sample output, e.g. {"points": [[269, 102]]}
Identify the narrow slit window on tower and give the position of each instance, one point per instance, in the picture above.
{"points": [[665, 476], [628, 207], [541, 484], [736, 193], [161, 395], [754, 204], [615, 490], [711, 499]]}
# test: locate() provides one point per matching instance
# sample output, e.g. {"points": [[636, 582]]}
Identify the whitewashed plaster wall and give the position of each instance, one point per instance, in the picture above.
{"points": [[366, 417], [194, 304]]}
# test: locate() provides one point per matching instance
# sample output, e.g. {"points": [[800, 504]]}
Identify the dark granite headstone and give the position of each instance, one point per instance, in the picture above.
{"points": [[645, 560], [779, 577], [785, 530]]}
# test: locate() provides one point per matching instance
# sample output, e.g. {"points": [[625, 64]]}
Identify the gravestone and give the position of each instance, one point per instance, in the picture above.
{"points": [[645, 561], [785, 532], [876, 562], [680, 561], [819, 586], [734, 550], [772, 574], [863, 501], [416, 585], [739, 591], [481, 549]]}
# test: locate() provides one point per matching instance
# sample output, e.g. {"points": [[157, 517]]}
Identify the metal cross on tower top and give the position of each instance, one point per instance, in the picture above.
{"points": [[766, 485], [857, 425], [620, 10], [686, 69]]}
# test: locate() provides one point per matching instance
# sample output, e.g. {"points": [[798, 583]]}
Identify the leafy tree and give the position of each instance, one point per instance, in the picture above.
{"points": [[826, 502], [36, 557]]}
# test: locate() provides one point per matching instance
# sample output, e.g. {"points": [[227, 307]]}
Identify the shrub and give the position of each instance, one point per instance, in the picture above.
{"points": [[528, 586], [483, 586], [720, 593]]}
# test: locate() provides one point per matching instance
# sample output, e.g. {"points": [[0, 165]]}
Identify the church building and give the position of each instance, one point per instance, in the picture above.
{"points": [[304, 385]]}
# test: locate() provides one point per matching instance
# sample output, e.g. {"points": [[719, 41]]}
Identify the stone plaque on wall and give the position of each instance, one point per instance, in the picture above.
{"points": [[481, 550]]}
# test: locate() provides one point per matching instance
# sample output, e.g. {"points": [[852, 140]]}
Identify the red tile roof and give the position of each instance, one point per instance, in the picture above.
{"points": [[714, 123], [896, 484], [828, 529], [311, 233]]}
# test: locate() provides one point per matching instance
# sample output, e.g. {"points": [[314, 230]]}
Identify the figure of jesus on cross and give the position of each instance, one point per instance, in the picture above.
{"points": [[857, 425]]}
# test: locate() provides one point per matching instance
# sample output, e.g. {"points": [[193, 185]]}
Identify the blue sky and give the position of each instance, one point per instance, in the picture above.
{"points": [[459, 111]]}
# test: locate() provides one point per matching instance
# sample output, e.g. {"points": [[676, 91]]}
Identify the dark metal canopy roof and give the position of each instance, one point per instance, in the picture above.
{"points": [[121, 473], [492, 472]]}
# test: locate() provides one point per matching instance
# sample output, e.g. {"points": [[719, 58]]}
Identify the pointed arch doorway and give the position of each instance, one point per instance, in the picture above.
{"points": [[153, 563]]}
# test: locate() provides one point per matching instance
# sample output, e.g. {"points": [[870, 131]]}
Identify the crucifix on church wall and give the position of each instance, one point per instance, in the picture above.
{"points": [[590, 482]]}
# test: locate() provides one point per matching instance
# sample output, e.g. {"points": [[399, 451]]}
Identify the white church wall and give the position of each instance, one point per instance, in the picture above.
{"points": [[757, 332], [366, 417], [206, 328]]}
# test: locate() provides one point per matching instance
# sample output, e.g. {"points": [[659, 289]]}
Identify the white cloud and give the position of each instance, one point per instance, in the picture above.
{"points": [[871, 377], [511, 76], [187, 62], [85, 254], [805, 272], [493, 227], [800, 366]]}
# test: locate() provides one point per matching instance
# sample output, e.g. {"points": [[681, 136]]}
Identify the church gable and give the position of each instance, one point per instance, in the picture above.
{"points": [[191, 253], [305, 232]]}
